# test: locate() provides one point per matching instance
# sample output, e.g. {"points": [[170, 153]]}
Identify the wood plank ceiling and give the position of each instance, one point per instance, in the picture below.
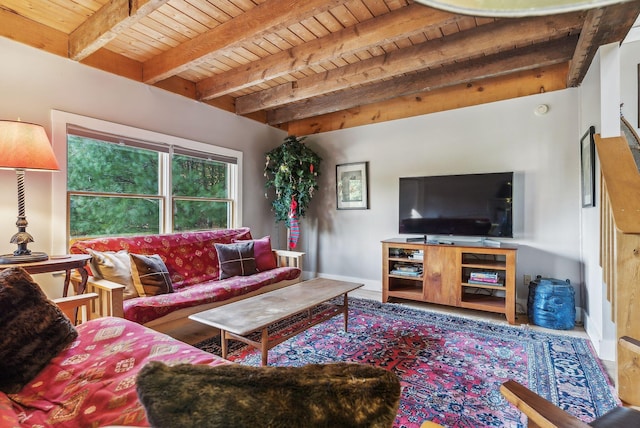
{"points": [[311, 66]]}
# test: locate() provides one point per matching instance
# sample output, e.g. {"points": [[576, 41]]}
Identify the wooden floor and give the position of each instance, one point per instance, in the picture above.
{"points": [[195, 332]]}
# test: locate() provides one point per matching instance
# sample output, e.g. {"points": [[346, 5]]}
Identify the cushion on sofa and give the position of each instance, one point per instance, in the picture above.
{"points": [[263, 253], [34, 329], [150, 275], [114, 266], [190, 257], [315, 395], [144, 310], [236, 259]]}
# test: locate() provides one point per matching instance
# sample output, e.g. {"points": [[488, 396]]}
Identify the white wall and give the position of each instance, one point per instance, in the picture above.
{"points": [[594, 296], [32, 83], [503, 136]]}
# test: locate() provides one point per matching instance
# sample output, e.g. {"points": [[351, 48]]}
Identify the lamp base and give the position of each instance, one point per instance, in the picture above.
{"points": [[10, 259]]}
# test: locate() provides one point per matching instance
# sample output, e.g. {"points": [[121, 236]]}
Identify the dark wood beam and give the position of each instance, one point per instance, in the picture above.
{"points": [[530, 57], [601, 27], [514, 85], [501, 35]]}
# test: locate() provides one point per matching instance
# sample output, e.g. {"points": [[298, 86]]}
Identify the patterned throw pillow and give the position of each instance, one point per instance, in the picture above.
{"points": [[233, 395], [33, 330], [115, 267], [236, 259], [150, 275]]}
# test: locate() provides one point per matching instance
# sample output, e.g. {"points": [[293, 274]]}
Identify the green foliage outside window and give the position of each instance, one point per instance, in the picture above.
{"points": [[108, 216], [197, 215], [96, 166], [117, 190], [292, 171], [199, 177]]}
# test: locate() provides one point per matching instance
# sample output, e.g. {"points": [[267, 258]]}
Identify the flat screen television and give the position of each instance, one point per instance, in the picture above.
{"points": [[457, 205]]}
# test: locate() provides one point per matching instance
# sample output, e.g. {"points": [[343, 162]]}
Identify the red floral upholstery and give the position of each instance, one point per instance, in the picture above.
{"points": [[145, 309], [192, 262], [190, 257], [91, 383]]}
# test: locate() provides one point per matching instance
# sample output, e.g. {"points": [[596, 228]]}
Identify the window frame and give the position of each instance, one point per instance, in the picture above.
{"points": [[60, 123]]}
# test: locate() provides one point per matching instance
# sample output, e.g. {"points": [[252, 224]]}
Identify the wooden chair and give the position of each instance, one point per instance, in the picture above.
{"points": [[76, 308], [544, 414]]}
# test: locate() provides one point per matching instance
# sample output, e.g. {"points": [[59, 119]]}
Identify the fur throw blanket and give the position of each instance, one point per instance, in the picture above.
{"points": [[232, 395]]}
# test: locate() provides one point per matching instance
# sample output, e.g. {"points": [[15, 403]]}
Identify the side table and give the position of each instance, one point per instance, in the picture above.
{"points": [[66, 263]]}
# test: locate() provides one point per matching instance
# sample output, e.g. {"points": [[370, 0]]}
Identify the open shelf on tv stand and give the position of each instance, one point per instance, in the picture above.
{"points": [[442, 274]]}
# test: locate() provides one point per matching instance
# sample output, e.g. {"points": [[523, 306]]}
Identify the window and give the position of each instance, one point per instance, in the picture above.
{"points": [[119, 184]]}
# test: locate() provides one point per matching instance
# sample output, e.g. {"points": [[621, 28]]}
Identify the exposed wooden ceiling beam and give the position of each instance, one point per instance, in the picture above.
{"points": [[530, 57], [464, 95], [187, 88], [601, 27], [115, 63], [113, 18], [268, 16], [23, 30], [500, 35], [387, 28], [178, 85]]}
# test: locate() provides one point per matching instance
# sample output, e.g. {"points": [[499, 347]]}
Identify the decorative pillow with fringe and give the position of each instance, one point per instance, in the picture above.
{"points": [[232, 395]]}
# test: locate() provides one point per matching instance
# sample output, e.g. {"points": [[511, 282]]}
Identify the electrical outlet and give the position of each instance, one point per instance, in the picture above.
{"points": [[527, 279]]}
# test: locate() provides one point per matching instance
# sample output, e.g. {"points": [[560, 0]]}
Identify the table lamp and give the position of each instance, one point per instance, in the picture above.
{"points": [[24, 146]]}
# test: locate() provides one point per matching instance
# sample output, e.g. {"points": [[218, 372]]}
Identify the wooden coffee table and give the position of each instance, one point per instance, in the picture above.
{"points": [[236, 320]]}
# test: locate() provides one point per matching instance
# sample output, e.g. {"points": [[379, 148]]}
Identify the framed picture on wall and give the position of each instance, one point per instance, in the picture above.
{"points": [[588, 168], [352, 191]]}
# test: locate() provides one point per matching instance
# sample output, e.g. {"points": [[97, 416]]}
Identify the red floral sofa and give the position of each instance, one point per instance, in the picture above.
{"points": [[192, 263]]}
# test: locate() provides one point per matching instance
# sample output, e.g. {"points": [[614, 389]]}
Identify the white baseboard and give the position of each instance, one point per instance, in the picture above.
{"points": [[369, 285]]}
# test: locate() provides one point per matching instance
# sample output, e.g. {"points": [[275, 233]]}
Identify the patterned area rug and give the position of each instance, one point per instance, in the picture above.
{"points": [[451, 367]]}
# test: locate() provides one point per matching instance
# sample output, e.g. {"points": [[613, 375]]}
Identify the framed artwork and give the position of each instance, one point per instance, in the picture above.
{"points": [[588, 168], [352, 191]]}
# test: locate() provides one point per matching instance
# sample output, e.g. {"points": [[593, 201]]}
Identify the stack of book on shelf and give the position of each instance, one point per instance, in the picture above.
{"points": [[484, 278], [417, 255], [406, 269]]}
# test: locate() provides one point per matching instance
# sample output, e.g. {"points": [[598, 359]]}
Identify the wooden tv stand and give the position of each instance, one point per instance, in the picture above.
{"points": [[442, 276]]}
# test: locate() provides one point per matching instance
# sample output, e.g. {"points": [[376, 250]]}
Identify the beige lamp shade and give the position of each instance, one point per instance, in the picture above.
{"points": [[516, 8], [25, 146]]}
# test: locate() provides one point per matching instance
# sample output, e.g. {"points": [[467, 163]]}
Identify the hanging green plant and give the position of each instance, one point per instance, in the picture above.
{"points": [[292, 171]]}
